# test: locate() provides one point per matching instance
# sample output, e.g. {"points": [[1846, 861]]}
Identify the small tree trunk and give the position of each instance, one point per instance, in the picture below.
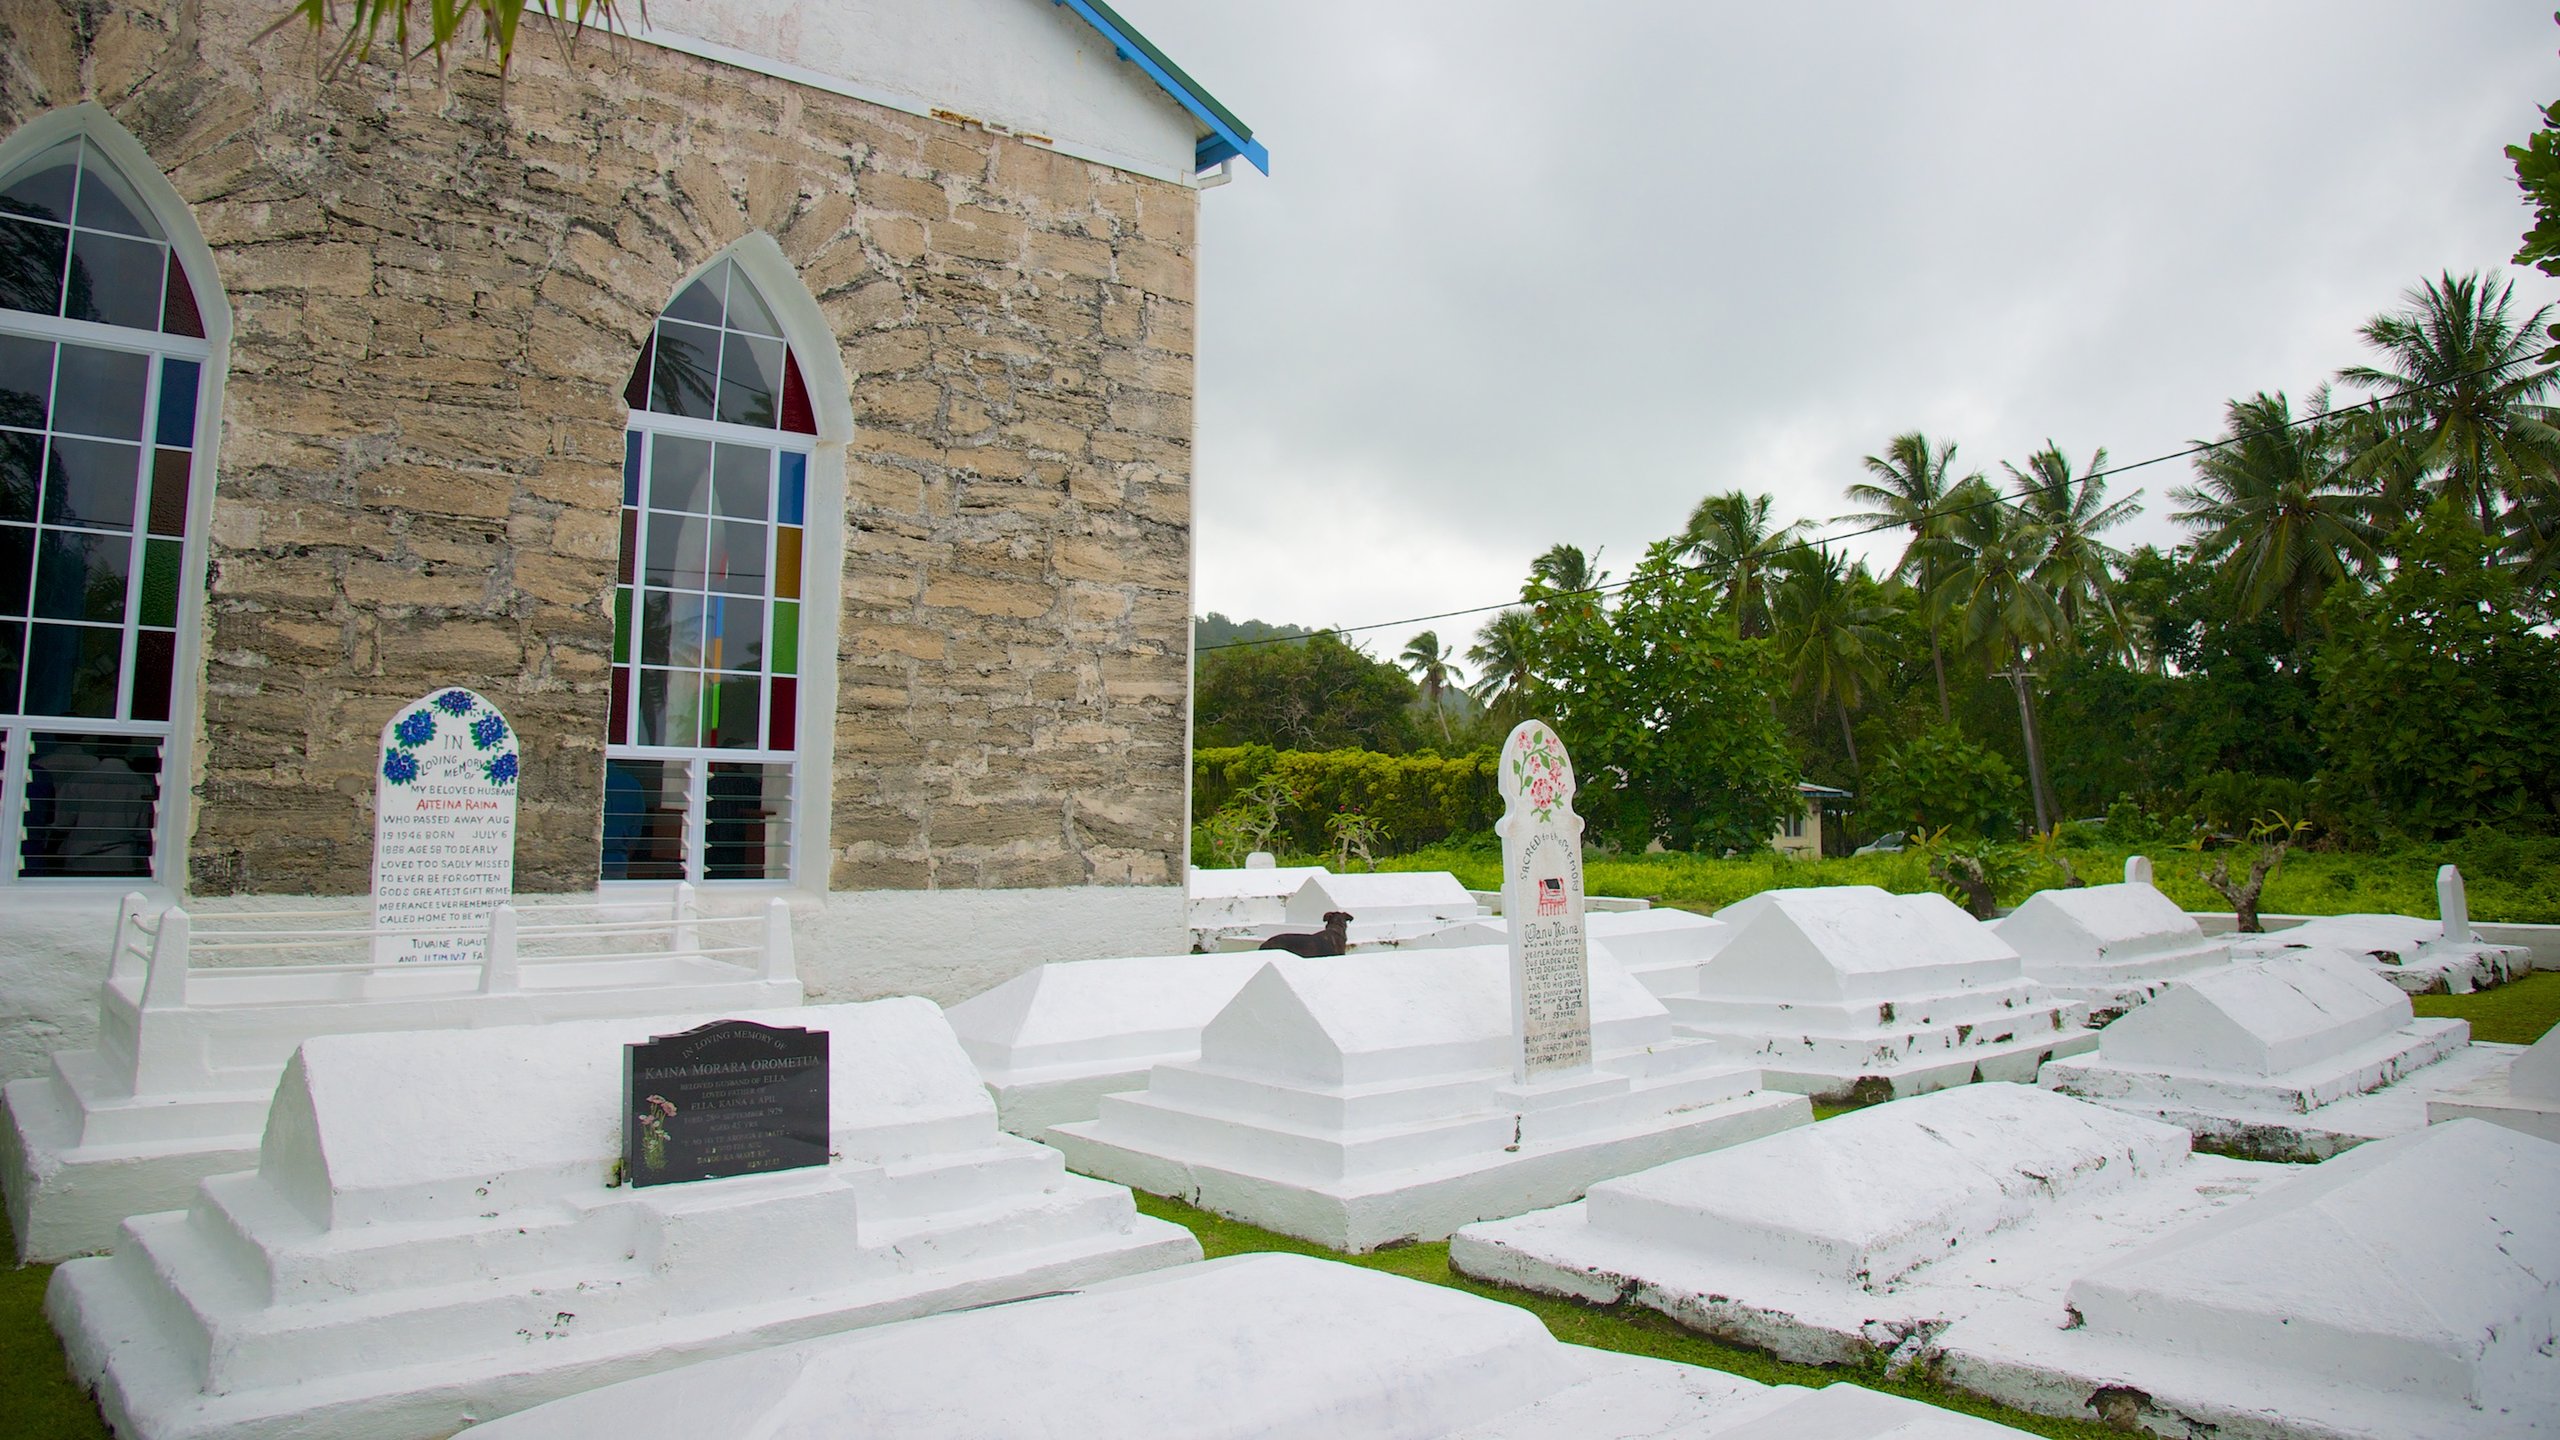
{"points": [[2041, 793], [2244, 896], [1848, 738], [1938, 662]]}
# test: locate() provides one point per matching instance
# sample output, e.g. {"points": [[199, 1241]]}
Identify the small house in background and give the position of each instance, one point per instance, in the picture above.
{"points": [[1799, 836]]}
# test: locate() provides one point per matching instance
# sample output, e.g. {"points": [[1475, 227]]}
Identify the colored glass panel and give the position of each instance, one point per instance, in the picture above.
{"points": [[786, 714], [794, 489], [630, 546], [786, 637], [622, 624], [178, 312], [631, 467], [160, 582], [786, 562], [635, 392], [155, 660], [169, 473], [179, 380], [618, 727], [798, 416]]}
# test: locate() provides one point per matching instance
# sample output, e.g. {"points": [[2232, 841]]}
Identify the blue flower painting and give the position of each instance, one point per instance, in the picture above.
{"points": [[488, 730], [415, 729], [399, 766], [454, 702], [502, 770]]}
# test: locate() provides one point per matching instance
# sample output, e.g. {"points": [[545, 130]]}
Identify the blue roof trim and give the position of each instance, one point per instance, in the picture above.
{"points": [[1225, 139]]}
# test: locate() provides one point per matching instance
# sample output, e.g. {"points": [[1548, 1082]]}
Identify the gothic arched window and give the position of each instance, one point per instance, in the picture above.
{"points": [[701, 760], [102, 380]]}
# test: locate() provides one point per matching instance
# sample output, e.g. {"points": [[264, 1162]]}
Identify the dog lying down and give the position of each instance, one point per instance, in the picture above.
{"points": [[1327, 941]]}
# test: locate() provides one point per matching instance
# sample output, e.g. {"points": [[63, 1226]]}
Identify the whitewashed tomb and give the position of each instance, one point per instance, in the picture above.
{"points": [[2284, 1059], [2107, 947], [1357, 1100], [1662, 948], [2423, 957], [1255, 1347], [1387, 906], [435, 1234], [1862, 1236], [2522, 1095], [1847, 991], [198, 1015], [1052, 1041], [2406, 1288], [1230, 902]]}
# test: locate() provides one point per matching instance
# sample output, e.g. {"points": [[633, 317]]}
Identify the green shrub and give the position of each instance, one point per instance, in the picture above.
{"points": [[1411, 800], [1939, 780]]}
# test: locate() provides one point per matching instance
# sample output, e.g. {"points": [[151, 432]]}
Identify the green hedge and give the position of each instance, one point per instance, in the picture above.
{"points": [[1418, 799]]}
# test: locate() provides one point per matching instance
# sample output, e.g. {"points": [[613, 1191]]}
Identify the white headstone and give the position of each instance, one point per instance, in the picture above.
{"points": [[2137, 869], [444, 825], [1261, 860], [2454, 905], [1542, 900]]}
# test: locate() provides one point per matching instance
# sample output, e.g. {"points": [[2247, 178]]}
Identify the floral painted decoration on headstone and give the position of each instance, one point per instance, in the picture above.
{"points": [[488, 732], [1540, 772]]}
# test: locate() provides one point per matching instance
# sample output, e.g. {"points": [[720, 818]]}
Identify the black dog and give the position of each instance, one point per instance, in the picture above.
{"points": [[1327, 941]]}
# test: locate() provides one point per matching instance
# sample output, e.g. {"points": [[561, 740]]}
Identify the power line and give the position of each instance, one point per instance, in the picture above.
{"points": [[1825, 542]]}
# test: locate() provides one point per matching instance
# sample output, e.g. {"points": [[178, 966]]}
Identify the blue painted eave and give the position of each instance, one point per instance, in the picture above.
{"points": [[1228, 136]]}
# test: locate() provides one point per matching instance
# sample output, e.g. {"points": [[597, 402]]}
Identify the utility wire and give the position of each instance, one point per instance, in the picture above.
{"points": [[1825, 542]]}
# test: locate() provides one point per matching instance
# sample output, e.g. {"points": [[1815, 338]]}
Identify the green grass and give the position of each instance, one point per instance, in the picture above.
{"points": [[2309, 882], [2516, 1013], [1628, 1329], [38, 1400]]}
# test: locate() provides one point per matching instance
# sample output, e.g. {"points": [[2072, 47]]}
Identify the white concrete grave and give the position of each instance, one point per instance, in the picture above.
{"points": [[194, 1030], [2283, 1059], [1661, 948], [1232, 902], [435, 1234], [1862, 1236], [2524, 1095], [2108, 947], [2407, 1288], [2137, 870], [1356, 1100], [1052, 1041], [2422, 957], [1846, 990], [1255, 1347], [444, 826], [1386, 907]]}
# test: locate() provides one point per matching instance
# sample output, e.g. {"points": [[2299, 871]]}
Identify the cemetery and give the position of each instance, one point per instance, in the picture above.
{"points": [[1385, 908], [1848, 991], [2419, 956], [2521, 1094], [2293, 1058], [2073, 1261]]}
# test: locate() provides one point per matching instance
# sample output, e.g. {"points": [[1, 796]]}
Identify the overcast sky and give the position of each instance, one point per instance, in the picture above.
{"points": [[1535, 272]]}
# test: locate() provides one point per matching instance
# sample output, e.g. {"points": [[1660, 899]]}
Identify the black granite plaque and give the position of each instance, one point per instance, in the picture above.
{"points": [[729, 1098]]}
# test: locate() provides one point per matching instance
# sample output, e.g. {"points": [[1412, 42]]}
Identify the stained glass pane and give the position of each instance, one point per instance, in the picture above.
{"points": [[636, 393], [17, 568], [178, 313], [72, 669], [742, 480], [26, 381], [160, 582], [622, 624], [31, 258], [91, 482], [630, 554], [92, 801], [155, 655], [751, 381], [786, 637], [178, 380], [21, 475], [797, 416], [795, 486], [683, 379], [114, 281], [631, 467], [786, 562], [169, 471], [618, 726], [680, 474], [81, 576], [786, 715], [43, 188], [99, 392]]}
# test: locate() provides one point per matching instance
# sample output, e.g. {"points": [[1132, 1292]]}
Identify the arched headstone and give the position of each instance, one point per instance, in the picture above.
{"points": [[2137, 869], [2453, 904], [1542, 899], [444, 825]]}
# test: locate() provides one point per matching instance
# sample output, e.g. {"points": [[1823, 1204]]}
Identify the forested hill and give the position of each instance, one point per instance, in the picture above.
{"points": [[1216, 629]]}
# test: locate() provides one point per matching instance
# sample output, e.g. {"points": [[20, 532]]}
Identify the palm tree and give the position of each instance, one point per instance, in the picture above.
{"points": [[415, 28], [2077, 568], [1434, 669], [2459, 389], [1910, 490], [2005, 612], [1731, 536], [1831, 629], [2281, 515], [1564, 577], [1506, 659]]}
